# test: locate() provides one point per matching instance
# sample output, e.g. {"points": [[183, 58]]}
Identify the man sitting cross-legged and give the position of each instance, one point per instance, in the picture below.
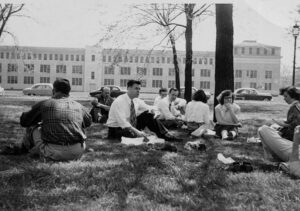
{"points": [[54, 127], [129, 115], [169, 115]]}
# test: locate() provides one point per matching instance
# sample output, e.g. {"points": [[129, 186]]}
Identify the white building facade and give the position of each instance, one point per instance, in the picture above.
{"points": [[255, 65]]}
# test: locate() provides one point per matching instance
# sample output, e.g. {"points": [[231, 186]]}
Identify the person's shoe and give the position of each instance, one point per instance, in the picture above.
{"points": [[230, 136], [14, 150], [169, 147], [171, 138]]}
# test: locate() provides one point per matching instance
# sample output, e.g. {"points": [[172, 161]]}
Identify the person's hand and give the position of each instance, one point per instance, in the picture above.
{"points": [[141, 134]]}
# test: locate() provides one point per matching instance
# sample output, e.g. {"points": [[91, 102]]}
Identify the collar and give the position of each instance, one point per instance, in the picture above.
{"points": [[59, 95], [294, 103]]}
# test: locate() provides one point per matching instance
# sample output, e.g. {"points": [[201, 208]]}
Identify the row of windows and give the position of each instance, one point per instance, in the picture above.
{"points": [[252, 74], [40, 56], [142, 59], [30, 80], [254, 51], [267, 86]]}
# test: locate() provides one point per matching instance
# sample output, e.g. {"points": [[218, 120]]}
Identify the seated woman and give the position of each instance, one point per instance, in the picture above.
{"points": [[277, 144], [197, 111], [226, 114]]}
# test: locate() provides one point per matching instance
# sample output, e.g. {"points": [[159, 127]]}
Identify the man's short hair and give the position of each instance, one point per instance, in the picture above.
{"points": [[162, 90], [172, 89], [62, 85], [291, 91], [130, 83]]}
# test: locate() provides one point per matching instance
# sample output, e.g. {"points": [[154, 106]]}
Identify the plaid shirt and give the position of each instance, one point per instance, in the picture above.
{"points": [[63, 120]]}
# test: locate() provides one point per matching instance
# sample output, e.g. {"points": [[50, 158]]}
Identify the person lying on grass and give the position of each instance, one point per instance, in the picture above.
{"points": [[226, 115], [277, 143], [54, 127]]}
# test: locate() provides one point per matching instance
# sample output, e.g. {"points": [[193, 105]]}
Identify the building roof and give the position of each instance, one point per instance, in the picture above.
{"points": [[253, 43]]}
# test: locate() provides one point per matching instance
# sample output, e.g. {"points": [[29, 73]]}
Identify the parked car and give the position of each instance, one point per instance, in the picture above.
{"points": [[42, 89], [115, 91], [251, 94], [194, 89]]}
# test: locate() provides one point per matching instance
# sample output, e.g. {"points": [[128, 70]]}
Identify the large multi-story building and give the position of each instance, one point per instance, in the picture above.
{"points": [[255, 65]]}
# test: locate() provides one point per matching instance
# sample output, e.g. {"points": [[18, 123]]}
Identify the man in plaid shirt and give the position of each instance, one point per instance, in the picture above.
{"points": [[55, 127]]}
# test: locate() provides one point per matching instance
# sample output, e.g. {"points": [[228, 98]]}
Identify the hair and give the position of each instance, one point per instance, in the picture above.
{"points": [[130, 83], [172, 89], [162, 90], [200, 95], [291, 91], [62, 85], [224, 94]]}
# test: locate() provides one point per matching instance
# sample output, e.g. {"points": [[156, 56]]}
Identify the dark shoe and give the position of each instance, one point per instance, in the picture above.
{"points": [[230, 136], [14, 150], [246, 167], [171, 138], [201, 147], [234, 167], [169, 147]]}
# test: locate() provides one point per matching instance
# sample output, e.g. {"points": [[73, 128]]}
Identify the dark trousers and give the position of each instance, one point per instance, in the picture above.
{"points": [[145, 119], [172, 123]]}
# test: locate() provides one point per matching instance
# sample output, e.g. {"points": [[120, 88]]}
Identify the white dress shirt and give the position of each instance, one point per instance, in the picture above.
{"points": [[197, 111], [119, 113], [156, 100], [163, 108]]}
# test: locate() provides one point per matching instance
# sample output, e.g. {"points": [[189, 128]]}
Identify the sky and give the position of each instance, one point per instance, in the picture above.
{"points": [[79, 23]]}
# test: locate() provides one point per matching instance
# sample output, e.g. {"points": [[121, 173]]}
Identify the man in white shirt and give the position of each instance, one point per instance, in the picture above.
{"points": [[169, 115], [163, 92], [128, 115]]}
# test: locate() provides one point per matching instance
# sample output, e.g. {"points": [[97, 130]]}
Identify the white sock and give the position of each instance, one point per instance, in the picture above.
{"points": [[224, 134]]}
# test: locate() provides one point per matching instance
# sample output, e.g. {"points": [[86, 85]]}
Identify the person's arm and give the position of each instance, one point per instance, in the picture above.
{"points": [[234, 110], [87, 118], [220, 118], [32, 117], [296, 141]]}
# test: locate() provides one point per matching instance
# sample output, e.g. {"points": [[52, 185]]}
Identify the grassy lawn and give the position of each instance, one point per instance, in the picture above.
{"points": [[117, 177]]}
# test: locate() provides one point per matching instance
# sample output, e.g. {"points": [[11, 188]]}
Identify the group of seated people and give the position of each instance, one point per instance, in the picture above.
{"points": [[55, 127]]}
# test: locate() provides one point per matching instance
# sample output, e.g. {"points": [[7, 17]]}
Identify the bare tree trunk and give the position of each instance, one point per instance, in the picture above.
{"points": [[189, 51], [224, 50], [175, 61]]}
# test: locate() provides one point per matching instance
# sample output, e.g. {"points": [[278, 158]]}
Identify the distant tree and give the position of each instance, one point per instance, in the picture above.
{"points": [[7, 11], [224, 50]]}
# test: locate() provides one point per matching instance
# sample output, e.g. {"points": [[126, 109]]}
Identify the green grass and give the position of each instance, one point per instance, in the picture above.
{"points": [[117, 177]]}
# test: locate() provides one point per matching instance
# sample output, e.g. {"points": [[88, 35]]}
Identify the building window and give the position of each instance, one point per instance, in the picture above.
{"points": [[211, 61], [141, 70], [250, 51], [2, 55], [55, 57], [44, 79], [12, 79], [143, 83], [82, 58], [243, 50], [156, 83], [157, 60], [147, 59], [257, 51], [265, 51], [50, 56], [77, 57], [163, 60], [200, 61], [268, 74], [253, 85], [92, 75], [45, 68], [204, 85], [268, 86], [171, 84], [171, 71], [109, 70], [45, 56], [93, 58], [141, 59], [253, 74], [61, 68], [77, 81], [205, 60], [168, 60], [28, 79], [104, 58], [238, 73], [72, 57], [130, 59], [7, 55], [77, 69], [108, 82], [40, 56], [125, 71], [157, 71], [136, 59], [273, 51], [28, 55], [67, 57], [12, 68], [237, 85], [28, 67], [123, 82], [205, 73], [0, 67]]}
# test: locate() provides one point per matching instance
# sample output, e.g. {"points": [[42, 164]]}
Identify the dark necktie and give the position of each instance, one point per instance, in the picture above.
{"points": [[132, 114]]}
